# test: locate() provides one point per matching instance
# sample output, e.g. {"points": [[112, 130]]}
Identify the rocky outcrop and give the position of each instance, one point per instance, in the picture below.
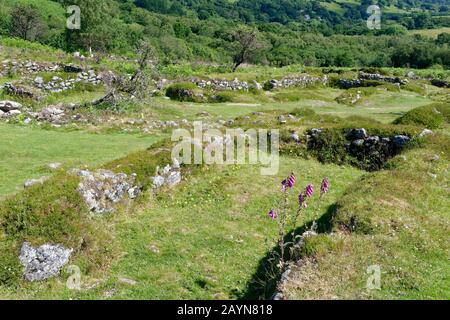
{"points": [[43, 262], [69, 68], [103, 189]]}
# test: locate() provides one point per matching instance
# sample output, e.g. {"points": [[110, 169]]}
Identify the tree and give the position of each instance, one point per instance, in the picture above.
{"points": [[248, 46], [26, 22], [443, 38], [97, 24], [137, 85]]}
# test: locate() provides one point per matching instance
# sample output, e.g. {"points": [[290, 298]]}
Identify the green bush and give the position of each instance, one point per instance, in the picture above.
{"points": [[432, 116], [329, 147], [182, 92], [222, 97], [10, 268]]}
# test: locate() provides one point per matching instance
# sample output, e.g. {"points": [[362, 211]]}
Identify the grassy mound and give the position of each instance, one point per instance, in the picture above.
{"points": [[54, 212], [432, 116], [395, 220], [184, 92]]}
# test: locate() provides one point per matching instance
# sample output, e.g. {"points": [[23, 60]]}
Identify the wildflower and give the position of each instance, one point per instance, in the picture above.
{"points": [[309, 190], [273, 214], [289, 182], [301, 200], [325, 186]]}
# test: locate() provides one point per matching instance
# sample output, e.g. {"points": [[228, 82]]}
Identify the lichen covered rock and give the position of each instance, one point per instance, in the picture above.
{"points": [[43, 262]]}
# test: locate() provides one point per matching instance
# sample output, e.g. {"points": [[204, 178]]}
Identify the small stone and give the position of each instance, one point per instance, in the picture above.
{"points": [[54, 166], [358, 143], [173, 178], [295, 137], [130, 282], [425, 133], [154, 249], [7, 106], [39, 80], [158, 182], [400, 140], [31, 182]]}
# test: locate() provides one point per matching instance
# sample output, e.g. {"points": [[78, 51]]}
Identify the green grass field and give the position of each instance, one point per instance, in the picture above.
{"points": [[203, 240], [26, 151], [432, 33]]}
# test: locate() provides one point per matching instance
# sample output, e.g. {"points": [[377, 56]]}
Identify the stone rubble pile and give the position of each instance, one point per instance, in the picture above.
{"points": [[236, 84], [27, 67], [169, 176], [57, 84], [43, 262], [221, 85], [20, 91], [365, 147], [52, 114], [363, 77], [103, 189], [379, 77], [300, 81], [350, 98]]}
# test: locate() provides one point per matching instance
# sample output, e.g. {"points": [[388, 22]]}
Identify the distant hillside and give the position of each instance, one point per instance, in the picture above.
{"points": [[313, 33], [285, 11]]}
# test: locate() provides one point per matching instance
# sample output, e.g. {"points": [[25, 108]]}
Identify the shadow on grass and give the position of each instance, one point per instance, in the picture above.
{"points": [[264, 282]]}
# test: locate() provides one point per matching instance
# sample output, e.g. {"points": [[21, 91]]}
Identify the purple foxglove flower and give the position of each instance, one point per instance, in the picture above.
{"points": [[309, 190], [325, 186], [273, 214], [289, 182]]}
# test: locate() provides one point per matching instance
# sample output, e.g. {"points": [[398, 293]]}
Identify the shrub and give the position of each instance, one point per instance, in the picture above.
{"points": [[329, 146], [183, 92], [432, 116], [222, 97], [10, 268]]}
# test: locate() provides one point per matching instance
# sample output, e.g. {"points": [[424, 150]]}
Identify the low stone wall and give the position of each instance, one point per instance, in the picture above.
{"points": [[27, 67], [355, 146], [236, 84]]}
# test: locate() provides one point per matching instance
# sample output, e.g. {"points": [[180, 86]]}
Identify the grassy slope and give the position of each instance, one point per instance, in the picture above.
{"points": [[398, 220], [25, 151], [210, 232], [383, 106]]}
